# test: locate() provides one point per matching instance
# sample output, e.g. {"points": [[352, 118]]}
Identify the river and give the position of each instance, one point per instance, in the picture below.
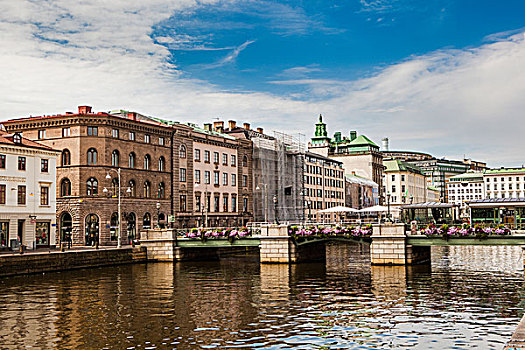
{"points": [[470, 297]]}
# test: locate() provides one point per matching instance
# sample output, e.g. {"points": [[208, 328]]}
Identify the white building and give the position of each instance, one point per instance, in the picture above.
{"points": [[465, 187], [27, 193], [505, 183], [405, 183]]}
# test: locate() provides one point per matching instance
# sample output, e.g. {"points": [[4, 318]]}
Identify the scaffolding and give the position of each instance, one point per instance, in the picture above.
{"points": [[278, 178]]}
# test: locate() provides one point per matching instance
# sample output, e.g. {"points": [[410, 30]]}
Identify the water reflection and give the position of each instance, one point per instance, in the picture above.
{"points": [[468, 298]]}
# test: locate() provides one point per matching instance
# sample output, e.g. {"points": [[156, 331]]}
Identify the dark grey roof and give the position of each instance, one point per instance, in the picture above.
{"points": [[503, 201], [428, 205]]}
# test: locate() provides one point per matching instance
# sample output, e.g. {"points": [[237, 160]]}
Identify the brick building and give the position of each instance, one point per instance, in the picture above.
{"points": [[94, 146]]}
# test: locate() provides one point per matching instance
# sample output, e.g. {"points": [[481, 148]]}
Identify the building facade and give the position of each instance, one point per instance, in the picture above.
{"points": [[360, 192], [405, 183], [95, 148], [27, 193], [358, 154], [504, 183], [464, 188], [324, 186]]}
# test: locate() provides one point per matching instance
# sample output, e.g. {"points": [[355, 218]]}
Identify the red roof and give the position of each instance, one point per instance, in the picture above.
{"points": [[7, 139]]}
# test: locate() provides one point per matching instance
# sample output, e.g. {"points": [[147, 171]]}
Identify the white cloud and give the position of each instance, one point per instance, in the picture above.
{"points": [[229, 58], [59, 54]]}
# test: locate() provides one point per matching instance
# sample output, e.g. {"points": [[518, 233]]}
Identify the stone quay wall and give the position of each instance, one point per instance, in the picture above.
{"points": [[11, 264]]}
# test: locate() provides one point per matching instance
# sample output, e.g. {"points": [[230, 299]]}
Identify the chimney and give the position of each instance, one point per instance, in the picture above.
{"points": [[84, 109], [132, 115], [207, 126], [337, 137], [353, 173], [385, 144], [246, 126], [231, 124], [260, 130], [218, 126], [353, 135]]}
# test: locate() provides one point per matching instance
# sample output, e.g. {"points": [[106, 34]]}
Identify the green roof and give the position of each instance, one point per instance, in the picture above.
{"points": [[362, 140], [432, 188], [398, 165], [505, 171], [467, 176]]}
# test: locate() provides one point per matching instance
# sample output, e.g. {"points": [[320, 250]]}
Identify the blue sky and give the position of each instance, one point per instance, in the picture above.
{"points": [[444, 77]]}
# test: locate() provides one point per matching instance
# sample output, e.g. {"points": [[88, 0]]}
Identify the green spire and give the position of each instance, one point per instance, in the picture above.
{"points": [[320, 128]]}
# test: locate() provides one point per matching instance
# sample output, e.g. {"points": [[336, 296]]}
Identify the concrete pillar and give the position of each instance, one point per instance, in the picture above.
{"points": [[160, 244], [389, 247]]}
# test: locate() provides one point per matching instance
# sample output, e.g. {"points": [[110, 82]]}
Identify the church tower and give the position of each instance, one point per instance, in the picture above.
{"points": [[320, 143]]}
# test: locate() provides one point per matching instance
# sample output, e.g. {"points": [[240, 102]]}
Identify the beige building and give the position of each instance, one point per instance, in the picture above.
{"points": [[360, 192], [324, 186], [405, 183]]}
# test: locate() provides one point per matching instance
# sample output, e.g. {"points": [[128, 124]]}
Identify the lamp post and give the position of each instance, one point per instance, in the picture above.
{"points": [[275, 208], [158, 215], [105, 190], [204, 206], [265, 197], [388, 205]]}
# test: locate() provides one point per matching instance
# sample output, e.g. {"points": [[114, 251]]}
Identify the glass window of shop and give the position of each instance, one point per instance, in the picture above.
{"points": [[4, 233], [42, 233]]}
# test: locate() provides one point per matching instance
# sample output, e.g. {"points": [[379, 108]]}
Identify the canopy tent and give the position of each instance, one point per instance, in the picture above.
{"points": [[378, 209], [339, 209]]}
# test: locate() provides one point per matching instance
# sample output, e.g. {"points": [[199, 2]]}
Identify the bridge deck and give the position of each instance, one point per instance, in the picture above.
{"points": [[493, 240], [218, 243]]}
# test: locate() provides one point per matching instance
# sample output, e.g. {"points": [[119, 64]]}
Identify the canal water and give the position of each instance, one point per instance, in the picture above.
{"points": [[471, 297]]}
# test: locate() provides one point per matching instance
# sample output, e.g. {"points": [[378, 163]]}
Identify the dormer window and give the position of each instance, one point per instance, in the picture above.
{"points": [[17, 138]]}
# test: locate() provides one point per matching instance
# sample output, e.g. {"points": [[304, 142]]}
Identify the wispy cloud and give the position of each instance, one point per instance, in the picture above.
{"points": [[230, 58]]}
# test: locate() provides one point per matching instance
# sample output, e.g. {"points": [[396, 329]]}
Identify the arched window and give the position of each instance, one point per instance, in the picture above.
{"points": [[182, 151], [146, 221], [162, 162], [132, 188], [147, 189], [114, 185], [132, 160], [65, 187], [92, 156], [92, 187], [147, 161], [244, 161], [162, 190], [115, 158], [113, 227], [66, 157]]}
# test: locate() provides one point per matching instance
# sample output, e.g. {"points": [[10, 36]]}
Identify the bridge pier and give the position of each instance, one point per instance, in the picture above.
{"points": [[389, 247], [277, 247]]}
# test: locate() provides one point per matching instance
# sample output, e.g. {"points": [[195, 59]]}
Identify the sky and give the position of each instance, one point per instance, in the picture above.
{"points": [[442, 77]]}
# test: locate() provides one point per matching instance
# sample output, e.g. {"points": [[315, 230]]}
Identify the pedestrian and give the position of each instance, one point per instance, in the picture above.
{"points": [[69, 240]]}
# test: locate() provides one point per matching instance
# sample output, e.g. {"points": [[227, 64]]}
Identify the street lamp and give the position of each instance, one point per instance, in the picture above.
{"points": [[105, 190], [204, 206], [275, 208], [158, 214], [265, 196], [388, 205]]}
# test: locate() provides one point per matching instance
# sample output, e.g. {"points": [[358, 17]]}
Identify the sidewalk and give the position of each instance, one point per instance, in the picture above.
{"points": [[57, 250]]}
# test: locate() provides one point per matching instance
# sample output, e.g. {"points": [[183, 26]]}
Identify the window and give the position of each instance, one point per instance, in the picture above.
{"points": [[65, 187], [197, 155], [402, 188], [21, 194], [92, 131], [21, 163], [161, 141], [147, 161], [234, 179], [42, 230], [182, 175], [66, 157], [147, 138], [207, 177], [114, 187], [216, 203], [131, 136], [207, 156], [162, 191], [234, 204], [245, 161], [44, 195], [66, 132], [2, 194], [224, 159], [114, 133], [244, 181], [147, 189], [92, 187], [393, 178], [131, 186], [182, 151], [197, 202], [131, 160], [41, 134], [115, 155], [224, 179], [162, 161], [245, 204], [92, 156], [233, 160], [182, 202], [44, 165], [216, 178], [146, 221], [197, 176], [216, 157], [393, 188], [225, 203], [402, 177], [17, 138]]}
